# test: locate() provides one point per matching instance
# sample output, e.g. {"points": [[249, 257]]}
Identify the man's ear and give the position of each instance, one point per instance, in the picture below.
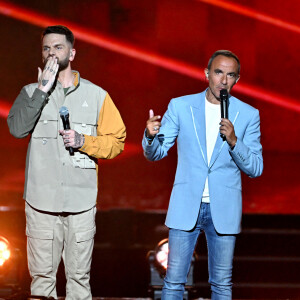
{"points": [[72, 54], [206, 71], [237, 79]]}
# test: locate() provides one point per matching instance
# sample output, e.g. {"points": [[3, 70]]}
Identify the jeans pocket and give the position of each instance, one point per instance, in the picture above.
{"points": [[84, 249], [39, 250]]}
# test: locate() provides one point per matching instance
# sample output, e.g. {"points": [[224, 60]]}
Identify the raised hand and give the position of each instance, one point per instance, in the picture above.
{"points": [[47, 77], [153, 125]]}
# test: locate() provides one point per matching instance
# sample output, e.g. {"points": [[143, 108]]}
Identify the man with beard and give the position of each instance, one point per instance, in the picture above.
{"points": [[206, 194], [60, 186]]}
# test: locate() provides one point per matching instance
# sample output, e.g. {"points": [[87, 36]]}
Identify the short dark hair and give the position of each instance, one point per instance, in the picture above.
{"points": [[60, 29], [226, 53]]}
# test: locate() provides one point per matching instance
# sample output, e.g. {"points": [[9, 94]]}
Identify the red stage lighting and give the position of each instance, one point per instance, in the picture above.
{"points": [[174, 65], [254, 14], [4, 108]]}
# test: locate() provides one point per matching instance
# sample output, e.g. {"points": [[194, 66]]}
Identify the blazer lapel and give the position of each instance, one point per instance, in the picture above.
{"points": [[198, 115], [232, 114], [217, 149]]}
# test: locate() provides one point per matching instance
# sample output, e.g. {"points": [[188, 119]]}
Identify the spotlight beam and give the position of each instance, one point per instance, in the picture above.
{"points": [[130, 50], [101, 40], [251, 13], [4, 108]]}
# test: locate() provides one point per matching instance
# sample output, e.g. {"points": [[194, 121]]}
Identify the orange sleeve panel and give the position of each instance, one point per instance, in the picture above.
{"points": [[111, 133]]}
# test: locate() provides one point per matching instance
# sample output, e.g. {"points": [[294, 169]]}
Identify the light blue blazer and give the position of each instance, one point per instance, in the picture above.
{"points": [[185, 121]]}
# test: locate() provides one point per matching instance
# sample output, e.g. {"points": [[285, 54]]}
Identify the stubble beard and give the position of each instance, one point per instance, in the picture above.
{"points": [[63, 64]]}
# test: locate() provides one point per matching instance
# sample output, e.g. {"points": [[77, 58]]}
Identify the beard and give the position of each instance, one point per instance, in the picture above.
{"points": [[63, 64]]}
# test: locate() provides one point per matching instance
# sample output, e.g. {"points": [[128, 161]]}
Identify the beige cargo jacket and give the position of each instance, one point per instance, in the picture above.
{"points": [[54, 180]]}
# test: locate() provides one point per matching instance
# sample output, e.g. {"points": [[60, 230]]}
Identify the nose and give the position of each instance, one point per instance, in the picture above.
{"points": [[51, 52], [224, 79]]}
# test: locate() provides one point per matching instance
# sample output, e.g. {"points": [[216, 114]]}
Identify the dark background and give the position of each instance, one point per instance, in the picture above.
{"points": [[145, 52]]}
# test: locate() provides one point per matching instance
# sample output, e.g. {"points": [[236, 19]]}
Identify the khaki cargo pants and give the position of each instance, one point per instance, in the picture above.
{"points": [[51, 236]]}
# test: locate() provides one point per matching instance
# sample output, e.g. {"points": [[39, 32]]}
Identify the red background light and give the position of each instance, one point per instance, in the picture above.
{"points": [[146, 52]]}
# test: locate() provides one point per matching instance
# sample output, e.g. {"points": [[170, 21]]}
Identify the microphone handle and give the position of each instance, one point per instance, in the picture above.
{"points": [[224, 114], [71, 151], [66, 125], [224, 109]]}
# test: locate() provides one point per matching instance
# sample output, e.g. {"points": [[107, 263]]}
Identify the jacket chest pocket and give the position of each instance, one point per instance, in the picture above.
{"points": [[47, 125], [85, 123], [83, 128], [46, 129]]}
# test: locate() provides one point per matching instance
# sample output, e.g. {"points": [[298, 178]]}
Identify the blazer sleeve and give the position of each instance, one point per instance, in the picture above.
{"points": [[247, 152], [166, 137]]}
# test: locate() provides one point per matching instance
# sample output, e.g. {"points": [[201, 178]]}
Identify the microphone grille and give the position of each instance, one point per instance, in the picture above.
{"points": [[63, 111]]}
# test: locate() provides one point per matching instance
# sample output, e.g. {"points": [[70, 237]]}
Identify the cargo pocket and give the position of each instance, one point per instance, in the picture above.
{"points": [[85, 122], [85, 244], [46, 129], [40, 250], [82, 160]]}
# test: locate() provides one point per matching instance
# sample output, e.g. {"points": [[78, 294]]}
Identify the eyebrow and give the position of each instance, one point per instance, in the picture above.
{"points": [[230, 73], [55, 45], [218, 70]]}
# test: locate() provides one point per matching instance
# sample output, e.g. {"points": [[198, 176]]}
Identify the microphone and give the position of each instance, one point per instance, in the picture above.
{"points": [[64, 114], [224, 107]]}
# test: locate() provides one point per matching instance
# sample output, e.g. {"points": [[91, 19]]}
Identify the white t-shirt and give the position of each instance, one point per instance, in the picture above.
{"points": [[212, 122]]}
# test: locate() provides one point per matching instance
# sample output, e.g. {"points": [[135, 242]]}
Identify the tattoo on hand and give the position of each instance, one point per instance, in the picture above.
{"points": [[44, 82], [77, 140]]}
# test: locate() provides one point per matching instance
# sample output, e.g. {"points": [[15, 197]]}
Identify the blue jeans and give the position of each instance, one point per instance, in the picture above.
{"points": [[220, 256]]}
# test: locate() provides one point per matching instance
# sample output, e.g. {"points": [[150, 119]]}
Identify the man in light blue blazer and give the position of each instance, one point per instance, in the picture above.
{"points": [[207, 192]]}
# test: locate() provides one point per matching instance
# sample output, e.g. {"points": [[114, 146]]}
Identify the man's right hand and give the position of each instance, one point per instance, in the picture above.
{"points": [[47, 77], [153, 125]]}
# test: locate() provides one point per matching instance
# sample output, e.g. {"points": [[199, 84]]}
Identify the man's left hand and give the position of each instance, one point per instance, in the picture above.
{"points": [[226, 128], [72, 138]]}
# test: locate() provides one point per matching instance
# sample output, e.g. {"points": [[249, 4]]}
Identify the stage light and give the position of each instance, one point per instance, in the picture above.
{"points": [[161, 253], [158, 261], [10, 269], [4, 250]]}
